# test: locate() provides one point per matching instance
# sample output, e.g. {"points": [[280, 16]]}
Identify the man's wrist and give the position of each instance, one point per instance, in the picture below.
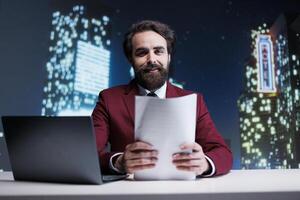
{"points": [[119, 163], [116, 164], [211, 169]]}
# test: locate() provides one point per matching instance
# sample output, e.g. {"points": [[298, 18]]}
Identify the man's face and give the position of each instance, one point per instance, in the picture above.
{"points": [[150, 59]]}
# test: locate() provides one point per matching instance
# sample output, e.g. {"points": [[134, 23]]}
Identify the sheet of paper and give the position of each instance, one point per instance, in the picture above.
{"points": [[166, 124]]}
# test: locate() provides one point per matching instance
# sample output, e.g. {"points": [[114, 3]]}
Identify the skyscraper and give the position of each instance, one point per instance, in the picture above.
{"points": [[79, 63], [286, 37], [269, 103], [257, 104]]}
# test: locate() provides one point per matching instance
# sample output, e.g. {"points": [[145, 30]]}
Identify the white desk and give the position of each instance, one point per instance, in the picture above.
{"points": [[238, 184]]}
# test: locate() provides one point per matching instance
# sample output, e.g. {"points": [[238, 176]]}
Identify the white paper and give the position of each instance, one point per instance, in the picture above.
{"points": [[166, 124]]}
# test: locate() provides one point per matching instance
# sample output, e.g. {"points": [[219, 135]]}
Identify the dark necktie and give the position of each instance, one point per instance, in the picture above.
{"points": [[152, 94]]}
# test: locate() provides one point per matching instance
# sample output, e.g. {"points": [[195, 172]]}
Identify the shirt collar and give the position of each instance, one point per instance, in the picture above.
{"points": [[160, 92]]}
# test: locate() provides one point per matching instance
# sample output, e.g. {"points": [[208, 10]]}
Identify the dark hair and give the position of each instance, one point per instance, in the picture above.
{"points": [[148, 25]]}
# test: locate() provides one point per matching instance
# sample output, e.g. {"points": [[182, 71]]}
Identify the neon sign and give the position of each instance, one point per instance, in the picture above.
{"points": [[265, 63]]}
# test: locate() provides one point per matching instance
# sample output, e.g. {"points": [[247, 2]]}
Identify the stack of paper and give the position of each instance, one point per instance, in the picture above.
{"points": [[166, 124]]}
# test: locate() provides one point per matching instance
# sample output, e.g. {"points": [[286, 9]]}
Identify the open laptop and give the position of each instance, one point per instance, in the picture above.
{"points": [[53, 149]]}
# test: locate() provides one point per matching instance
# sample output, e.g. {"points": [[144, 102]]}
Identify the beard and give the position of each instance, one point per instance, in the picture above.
{"points": [[150, 80]]}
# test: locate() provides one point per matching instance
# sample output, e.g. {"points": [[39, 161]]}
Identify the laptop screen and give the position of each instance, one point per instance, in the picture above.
{"points": [[52, 149]]}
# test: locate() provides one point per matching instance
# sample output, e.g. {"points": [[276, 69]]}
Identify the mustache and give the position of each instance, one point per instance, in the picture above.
{"points": [[150, 66]]}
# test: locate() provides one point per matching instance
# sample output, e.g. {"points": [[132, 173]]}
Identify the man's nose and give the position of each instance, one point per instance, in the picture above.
{"points": [[152, 58]]}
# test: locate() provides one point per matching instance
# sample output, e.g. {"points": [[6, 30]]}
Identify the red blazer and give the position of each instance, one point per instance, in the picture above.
{"points": [[113, 119]]}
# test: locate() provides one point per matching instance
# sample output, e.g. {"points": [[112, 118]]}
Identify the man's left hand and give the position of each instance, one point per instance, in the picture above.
{"points": [[194, 161]]}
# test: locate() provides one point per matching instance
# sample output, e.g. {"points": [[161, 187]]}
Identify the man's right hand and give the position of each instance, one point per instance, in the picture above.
{"points": [[137, 156]]}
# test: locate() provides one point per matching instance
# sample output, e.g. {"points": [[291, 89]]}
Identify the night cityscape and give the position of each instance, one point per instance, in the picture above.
{"points": [[270, 103], [242, 56], [79, 64]]}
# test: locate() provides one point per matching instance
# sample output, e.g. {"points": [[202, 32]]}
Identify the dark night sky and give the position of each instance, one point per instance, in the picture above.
{"points": [[213, 42]]}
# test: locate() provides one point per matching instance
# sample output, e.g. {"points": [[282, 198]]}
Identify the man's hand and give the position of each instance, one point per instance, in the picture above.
{"points": [[194, 161], [137, 156]]}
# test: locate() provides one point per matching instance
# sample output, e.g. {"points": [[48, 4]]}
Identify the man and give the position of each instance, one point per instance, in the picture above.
{"points": [[148, 46]]}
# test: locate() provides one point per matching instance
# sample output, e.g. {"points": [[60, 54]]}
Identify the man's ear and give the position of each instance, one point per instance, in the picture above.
{"points": [[130, 60], [169, 58]]}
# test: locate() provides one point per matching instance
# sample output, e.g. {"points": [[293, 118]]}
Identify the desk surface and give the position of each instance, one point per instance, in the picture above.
{"points": [[238, 184]]}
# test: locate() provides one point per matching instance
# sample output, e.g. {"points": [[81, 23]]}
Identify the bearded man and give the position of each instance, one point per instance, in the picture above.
{"points": [[148, 46]]}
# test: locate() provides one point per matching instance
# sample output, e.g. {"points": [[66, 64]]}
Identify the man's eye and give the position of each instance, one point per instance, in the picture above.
{"points": [[159, 51], [141, 53]]}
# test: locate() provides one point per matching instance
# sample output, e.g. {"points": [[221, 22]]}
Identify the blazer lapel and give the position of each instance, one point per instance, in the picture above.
{"points": [[129, 97], [171, 91]]}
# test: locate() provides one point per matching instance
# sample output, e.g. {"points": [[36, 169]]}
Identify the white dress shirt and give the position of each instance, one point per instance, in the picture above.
{"points": [[161, 93]]}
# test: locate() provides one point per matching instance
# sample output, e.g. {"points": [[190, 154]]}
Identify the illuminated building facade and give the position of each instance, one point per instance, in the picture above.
{"points": [[286, 38], [269, 103], [79, 63], [257, 118]]}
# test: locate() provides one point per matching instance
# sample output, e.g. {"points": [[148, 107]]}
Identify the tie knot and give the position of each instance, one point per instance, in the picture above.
{"points": [[151, 94]]}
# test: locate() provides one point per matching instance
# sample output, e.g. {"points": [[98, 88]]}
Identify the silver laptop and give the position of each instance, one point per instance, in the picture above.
{"points": [[53, 149]]}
